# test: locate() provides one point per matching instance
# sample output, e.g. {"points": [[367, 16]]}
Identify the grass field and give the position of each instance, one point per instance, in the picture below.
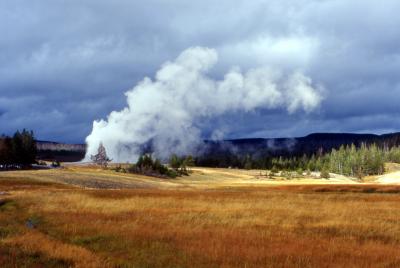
{"points": [[214, 218]]}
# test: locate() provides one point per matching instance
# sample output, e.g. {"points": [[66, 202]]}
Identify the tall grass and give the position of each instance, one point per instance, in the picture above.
{"points": [[302, 226]]}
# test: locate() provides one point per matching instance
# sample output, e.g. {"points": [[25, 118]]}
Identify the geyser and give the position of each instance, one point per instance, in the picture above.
{"points": [[164, 111]]}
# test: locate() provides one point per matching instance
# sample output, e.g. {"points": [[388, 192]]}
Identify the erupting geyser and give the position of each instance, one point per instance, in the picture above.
{"points": [[165, 110]]}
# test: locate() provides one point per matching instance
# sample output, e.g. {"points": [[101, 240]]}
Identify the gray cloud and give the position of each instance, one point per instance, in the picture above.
{"points": [[64, 64]]}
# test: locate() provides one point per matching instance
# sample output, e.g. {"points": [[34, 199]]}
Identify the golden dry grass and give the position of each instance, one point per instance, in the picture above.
{"points": [[36, 242], [245, 225], [200, 178]]}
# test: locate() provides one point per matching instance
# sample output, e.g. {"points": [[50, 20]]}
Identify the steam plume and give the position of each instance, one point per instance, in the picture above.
{"points": [[164, 111]]}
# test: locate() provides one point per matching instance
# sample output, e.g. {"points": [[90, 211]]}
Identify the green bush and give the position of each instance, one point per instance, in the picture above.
{"points": [[172, 173], [56, 163], [146, 165], [324, 174], [274, 169]]}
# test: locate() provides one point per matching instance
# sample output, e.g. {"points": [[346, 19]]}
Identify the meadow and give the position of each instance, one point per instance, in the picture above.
{"points": [[73, 217]]}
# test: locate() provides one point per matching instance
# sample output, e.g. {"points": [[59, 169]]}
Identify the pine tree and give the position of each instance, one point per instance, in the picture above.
{"points": [[101, 157], [5, 152], [248, 163], [175, 162]]}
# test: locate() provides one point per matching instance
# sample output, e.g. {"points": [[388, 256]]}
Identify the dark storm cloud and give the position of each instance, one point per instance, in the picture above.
{"points": [[65, 63]]}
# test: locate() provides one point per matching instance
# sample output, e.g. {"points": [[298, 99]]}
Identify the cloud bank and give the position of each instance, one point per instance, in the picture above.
{"points": [[64, 64], [165, 112]]}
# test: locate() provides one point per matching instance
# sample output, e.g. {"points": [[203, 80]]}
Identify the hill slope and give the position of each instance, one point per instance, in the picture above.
{"points": [[258, 147]]}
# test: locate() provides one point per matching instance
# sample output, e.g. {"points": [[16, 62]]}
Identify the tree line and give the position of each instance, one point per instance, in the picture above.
{"points": [[147, 165], [347, 160], [18, 151]]}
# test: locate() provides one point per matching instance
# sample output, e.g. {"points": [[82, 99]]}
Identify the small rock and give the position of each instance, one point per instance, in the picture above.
{"points": [[4, 193], [30, 224]]}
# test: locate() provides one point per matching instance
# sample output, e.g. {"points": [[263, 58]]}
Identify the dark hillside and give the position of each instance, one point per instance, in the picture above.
{"points": [[62, 152], [225, 153], [228, 152]]}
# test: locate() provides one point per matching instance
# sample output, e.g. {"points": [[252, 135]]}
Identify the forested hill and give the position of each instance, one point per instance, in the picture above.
{"points": [[312, 144], [325, 142], [317, 143]]}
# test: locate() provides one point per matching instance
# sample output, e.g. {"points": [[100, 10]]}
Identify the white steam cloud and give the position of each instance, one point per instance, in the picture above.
{"points": [[165, 111]]}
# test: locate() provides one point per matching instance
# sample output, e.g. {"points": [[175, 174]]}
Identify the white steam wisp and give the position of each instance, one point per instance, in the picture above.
{"points": [[164, 111]]}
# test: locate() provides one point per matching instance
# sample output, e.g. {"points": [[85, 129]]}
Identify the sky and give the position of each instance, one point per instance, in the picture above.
{"points": [[66, 63]]}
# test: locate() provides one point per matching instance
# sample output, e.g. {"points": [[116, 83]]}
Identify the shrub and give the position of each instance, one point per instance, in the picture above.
{"points": [[324, 174], [55, 164], [119, 169], [180, 164], [274, 170], [146, 165], [172, 173], [42, 163]]}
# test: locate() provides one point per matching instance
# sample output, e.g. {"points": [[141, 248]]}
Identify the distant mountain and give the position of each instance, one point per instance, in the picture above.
{"points": [[213, 151], [56, 146], [309, 144], [226, 152], [48, 150]]}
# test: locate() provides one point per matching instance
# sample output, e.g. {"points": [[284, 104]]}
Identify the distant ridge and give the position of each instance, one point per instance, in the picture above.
{"points": [[64, 152], [315, 141], [222, 153], [57, 146], [258, 147]]}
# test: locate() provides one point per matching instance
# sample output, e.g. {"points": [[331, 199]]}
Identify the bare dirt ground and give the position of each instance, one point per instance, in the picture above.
{"points": [[393, 178], [392, 175]]}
